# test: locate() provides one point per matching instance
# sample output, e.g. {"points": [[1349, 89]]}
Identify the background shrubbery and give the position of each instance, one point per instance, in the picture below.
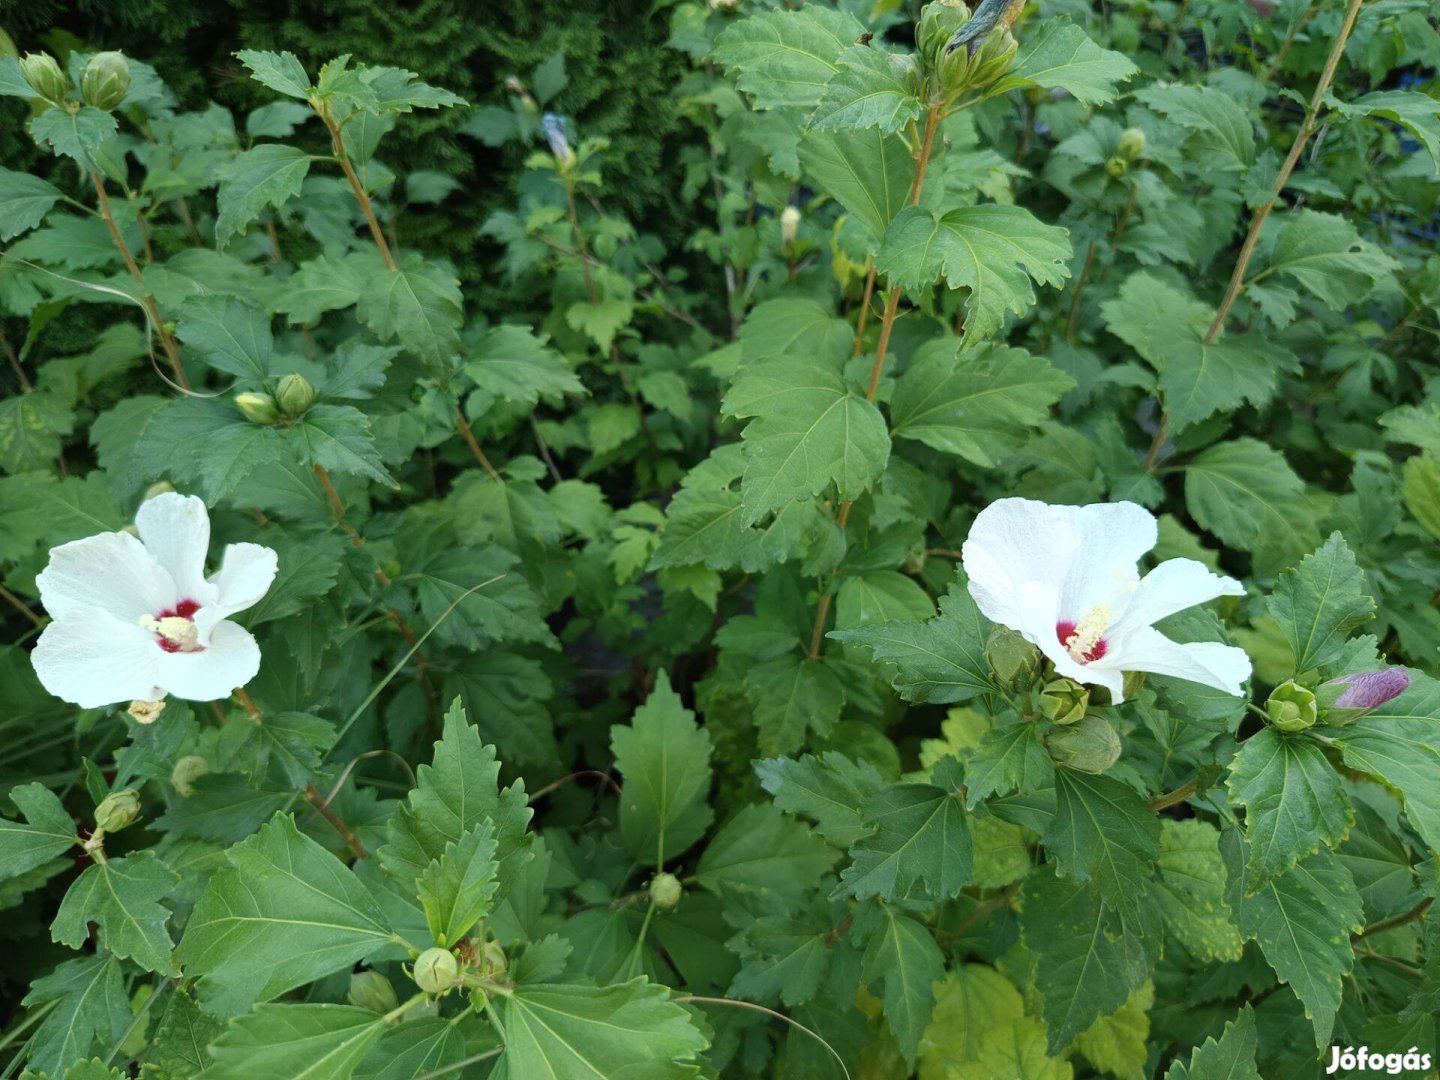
{"points": [[707, 723]]}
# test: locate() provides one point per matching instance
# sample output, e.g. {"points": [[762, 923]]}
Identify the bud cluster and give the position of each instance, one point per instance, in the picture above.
{"points": [[292, 399], [975, 65]]}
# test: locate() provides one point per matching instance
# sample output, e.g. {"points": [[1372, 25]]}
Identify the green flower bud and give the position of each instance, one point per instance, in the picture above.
{"points": [[258, 408], [938, 23], [1131, 144], [1014, 660], [371, 990], [294, 395], [436, 970], [160, 488], [117, 810], [1291, 707], [993, 60], [1091, 745], [105, 81], [493, 963], [45, 76], [665, 891], [1117, 166], [1064, 701], [187, 770]]}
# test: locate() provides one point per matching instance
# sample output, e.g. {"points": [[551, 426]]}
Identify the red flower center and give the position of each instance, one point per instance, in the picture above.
{"points": [[1066, 630], [185, 609]]}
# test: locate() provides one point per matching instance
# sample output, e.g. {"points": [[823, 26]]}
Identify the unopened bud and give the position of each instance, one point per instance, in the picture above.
{"points": [[553, 127], [1346, 699], [789, 225], [1131, 144], [187, 770], [45, 76], [373, 991], [294, 395], [1064, 701], [1013, 659], [1291, 707], [117, 810], [258, 408], [105, 81], [1117, 166], [938, 22], [436, 970], [146, 712], [493, 963], [665, 891], [723, 5], [1091, 745]]}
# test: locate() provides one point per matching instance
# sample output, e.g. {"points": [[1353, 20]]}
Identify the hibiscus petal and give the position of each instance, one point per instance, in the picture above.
{"points": [[1174, 585], [111, 572], [98, 660], [1371, 689], [1109, 540], [1088, 554], [1014, 543], [245, 574], [231, 660], [1206, 662], [176, 531]]}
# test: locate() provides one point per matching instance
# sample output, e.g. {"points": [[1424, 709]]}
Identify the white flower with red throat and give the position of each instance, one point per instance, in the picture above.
{"points": [[138, 619], [1065, 578]]}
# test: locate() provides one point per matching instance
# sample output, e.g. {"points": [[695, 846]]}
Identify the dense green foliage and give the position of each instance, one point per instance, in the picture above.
{"points": [[617, 386]]}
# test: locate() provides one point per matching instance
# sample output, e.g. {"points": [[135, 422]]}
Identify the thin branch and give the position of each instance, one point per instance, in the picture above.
{"points": [[1176, 797], [1307, 128], [20, 606], [474, 445], [361, 196], [1418, 911], [167, 339], [336, 821]]}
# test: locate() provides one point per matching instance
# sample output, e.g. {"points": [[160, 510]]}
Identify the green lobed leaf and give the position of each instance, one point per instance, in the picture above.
{"points": [[1088, 959], [299, 1042], [76, 135], [24, 202], [628, 1029], [1060, 56], [760, 850], [1008, 758], [1246, 494], [920, 848], [1190, 892], [1231, 1057], [786, 58], [266, 175], [994, 251], [1103, 830], [454, 794], [869, 90], [457, 890], [122, 898], [285, 913], [418, 305], [976, 404], [512, 363], [1325, 254], [901, 953], [229, 335], [91, 1005], [869, 172], [807, 430], [1302, 921], [1221, 127], [1319, 602], [48, 831], [1399, 744], [941, 660], [664, 761], [280, 71], [830, 789]]}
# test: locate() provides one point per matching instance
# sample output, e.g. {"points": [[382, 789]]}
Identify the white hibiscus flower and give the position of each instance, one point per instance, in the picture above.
{"points": [[1065, 578], [138, 619]]}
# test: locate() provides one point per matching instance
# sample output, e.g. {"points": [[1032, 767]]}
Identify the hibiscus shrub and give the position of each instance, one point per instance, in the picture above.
{"points": [[953, 599]]}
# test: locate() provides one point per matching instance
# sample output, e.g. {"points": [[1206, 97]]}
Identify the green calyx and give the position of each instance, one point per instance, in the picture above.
{"points": [[105, 81], [1092, 745], [45, 76], [1291, 707], [436, 971]]}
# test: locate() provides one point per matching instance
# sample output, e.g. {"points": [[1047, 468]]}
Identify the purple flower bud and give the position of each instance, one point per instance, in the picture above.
{"points": [[1371, 689], [553, 125]]}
